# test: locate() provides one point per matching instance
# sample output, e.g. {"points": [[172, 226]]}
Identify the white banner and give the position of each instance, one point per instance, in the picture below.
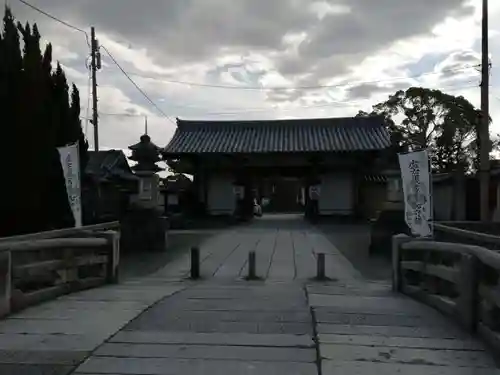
{"points": [[415, 175], [70, 162]]}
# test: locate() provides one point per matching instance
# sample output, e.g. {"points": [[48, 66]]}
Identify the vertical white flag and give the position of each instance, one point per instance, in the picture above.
{"points": [[415, 175], [70, 162]]}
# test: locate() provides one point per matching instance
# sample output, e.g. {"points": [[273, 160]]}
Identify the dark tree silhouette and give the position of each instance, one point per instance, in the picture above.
{"points": [[39, 115], [425, 118]]}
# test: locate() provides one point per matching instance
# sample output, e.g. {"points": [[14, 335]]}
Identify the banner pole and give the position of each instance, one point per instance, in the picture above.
{"points": [[431, 196]]}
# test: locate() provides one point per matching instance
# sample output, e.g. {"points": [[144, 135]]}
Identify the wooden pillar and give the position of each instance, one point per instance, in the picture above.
{"points": [[496, 214], [199, 192], [205, 189], [248, 198], [356, 194], [5, 282], [459, 195], [312, 205]]}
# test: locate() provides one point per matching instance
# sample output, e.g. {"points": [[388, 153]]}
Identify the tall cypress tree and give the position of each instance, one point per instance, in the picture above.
{"points": [[60, 106], [61, 213], [34, 120], [76, 125], [11, 75], [35, 103], [10, 81]]}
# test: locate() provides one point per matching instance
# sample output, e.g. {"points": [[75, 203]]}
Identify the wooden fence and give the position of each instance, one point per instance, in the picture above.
{"points": [[460, 280], [42, 266]]}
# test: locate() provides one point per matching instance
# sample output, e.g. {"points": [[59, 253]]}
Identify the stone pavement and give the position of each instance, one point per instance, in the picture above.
{"points": [[282, 324], [54, 337], [366, 329], [286, 249], [216, 329]]}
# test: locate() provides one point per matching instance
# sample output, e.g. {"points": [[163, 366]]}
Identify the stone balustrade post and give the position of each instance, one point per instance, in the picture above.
{"points": [[397, 241]]}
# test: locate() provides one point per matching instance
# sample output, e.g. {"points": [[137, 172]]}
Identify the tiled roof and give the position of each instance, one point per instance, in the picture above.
{"points": [[107, 164], [309, 135]]}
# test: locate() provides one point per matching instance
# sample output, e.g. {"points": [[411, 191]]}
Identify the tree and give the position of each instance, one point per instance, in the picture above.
{"points": [[426, 118], [10, 89], [76, 126], [37, 117]]}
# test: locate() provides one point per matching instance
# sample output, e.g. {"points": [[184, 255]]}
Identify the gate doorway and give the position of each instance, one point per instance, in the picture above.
{"points": [[281, 195]]}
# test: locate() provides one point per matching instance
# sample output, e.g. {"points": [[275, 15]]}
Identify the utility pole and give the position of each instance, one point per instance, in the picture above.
{"points": [[484, 133], [94, 66]]}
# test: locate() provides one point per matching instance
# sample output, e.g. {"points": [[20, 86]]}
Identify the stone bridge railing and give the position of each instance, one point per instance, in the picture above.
{"points": [[460, 280], [42, 266], [469, 232]]}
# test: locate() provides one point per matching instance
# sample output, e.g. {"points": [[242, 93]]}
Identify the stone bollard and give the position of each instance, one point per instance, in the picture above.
{"points": [[320, 267], [252, 272], [195, 263]]}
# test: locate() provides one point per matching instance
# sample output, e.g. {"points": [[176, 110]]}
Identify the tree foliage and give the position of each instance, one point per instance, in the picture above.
{"points": [[38, 117], [421, 118]]}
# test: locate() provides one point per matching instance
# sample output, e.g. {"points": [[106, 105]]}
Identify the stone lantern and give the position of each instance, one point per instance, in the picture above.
{"points": [[147, 154], [394, 197], [144, 225]]}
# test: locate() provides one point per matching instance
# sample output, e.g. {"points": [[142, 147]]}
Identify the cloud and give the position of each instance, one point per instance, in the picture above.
{"points": [[367, 90], [342, 55]]}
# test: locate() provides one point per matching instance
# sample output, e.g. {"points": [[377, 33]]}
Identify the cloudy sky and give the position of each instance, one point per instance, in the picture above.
{"points": [[262, 59]]}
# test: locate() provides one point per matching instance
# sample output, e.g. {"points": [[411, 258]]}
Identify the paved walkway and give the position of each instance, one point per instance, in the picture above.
{"points": [[285, 246], [283, 324]]}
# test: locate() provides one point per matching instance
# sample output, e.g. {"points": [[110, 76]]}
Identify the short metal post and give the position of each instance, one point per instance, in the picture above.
{"points": [[252, 272], [195, 263], [320, 267]]}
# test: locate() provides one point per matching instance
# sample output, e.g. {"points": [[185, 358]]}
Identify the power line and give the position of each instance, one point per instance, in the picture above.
{"points": [[105, 49], [338, 104], [344, 104], [257, 109], [128, 74], [56, 19], [136, 85], [277, 88]]}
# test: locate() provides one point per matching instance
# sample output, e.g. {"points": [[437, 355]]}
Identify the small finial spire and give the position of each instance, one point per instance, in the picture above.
{"points": [[146, 125]]}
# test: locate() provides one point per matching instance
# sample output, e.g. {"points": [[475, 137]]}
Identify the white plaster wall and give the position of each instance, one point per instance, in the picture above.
{"points": [[221, 199], [336, 194]]}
